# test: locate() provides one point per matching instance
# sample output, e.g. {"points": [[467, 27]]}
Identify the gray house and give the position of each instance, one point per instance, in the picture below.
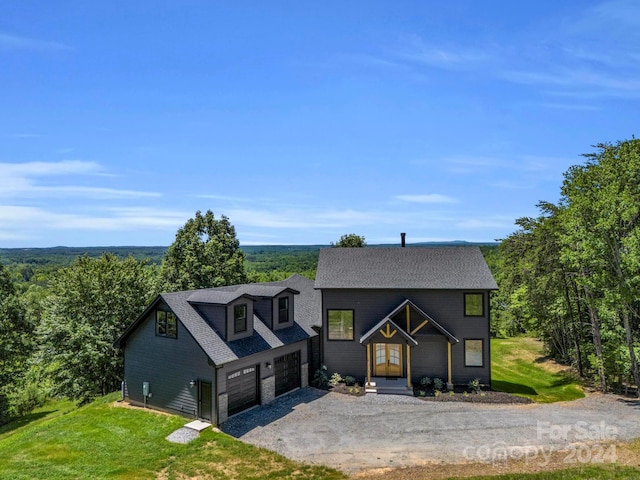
{"points": [[406, 313], [380, 315]]}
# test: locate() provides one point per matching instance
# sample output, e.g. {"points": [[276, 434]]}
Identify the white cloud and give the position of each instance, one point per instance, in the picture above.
{"points": [[18, 181], [14, 42], [427, 198]]}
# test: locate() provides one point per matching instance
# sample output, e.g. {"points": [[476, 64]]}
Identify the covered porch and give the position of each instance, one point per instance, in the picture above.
{"points": [[389, 348]]}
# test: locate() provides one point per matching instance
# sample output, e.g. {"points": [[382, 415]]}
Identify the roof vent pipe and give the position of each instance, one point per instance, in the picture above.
{"points": [[402, 236]]}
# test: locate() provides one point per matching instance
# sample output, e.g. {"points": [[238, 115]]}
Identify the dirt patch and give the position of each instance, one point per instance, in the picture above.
{"points": [[121, 404], [355, 390], [622, 454]]}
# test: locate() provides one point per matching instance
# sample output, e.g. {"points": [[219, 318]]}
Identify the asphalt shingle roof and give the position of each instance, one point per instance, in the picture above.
{"points": [[306, 312], [404, 268]]}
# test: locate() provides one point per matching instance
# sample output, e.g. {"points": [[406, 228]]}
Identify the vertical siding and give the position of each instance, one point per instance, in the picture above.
{"points": [[370, 306], [168, 365]]}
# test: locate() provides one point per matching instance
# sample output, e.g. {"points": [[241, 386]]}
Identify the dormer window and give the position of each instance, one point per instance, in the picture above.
{"points": [[166, 324], [283, 310], [240, 318]]}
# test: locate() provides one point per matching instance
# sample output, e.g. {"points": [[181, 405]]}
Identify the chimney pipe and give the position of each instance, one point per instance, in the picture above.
{"points": [[402, 235]]}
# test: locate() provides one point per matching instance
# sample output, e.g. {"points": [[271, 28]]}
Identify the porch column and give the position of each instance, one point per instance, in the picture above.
{"points": [[409, 367], [368, 364], [449, 381]]}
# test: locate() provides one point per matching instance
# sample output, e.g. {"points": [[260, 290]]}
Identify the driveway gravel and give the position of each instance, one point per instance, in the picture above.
{"points": [[358, 433]]}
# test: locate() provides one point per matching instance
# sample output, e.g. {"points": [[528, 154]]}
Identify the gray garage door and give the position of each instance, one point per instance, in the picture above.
{"points": [[242, 389], [287, 372]]}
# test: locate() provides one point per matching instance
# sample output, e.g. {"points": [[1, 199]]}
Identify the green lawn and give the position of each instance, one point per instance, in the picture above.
{"points": [[520, 367], [591, 472], [101, 440]]}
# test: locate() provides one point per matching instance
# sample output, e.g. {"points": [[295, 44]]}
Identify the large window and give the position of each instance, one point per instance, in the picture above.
{"points": [[340, 324], [473, 304], [473, 353], [166, 324], [283, 309], [240, 318]]}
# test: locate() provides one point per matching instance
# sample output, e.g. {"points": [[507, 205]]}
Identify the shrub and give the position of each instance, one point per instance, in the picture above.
{"points": [[437, 393], [336, 378], [349, 381], [451, 393], [438, 384], [422, 393], [321, 378], [474, 385], [425, 381]]}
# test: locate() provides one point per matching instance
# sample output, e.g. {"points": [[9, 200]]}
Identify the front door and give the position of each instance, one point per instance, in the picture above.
{"points": [[388, 360], [204, 400]]}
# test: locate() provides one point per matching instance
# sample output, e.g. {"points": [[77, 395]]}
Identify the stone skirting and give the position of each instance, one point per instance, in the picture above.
{"points": [[268, 389], [304, 375], [223, 408]]}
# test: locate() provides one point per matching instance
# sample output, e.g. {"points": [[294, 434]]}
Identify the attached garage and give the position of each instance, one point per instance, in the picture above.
{"points": [[287, 372], [242, 389]]}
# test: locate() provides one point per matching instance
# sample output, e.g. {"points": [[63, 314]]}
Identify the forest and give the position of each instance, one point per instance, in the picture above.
{"points": [[570, 276]]}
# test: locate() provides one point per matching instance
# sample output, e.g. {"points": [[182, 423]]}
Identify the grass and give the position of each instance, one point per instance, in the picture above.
{"points": [[520, 367], [102, 440], [591, 472]]}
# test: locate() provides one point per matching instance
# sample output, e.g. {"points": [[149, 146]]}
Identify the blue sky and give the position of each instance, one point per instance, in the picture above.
{"points": [[302, 121]]}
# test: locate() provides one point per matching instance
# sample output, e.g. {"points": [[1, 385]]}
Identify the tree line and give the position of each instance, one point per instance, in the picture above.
{"points": [[572, 274]]}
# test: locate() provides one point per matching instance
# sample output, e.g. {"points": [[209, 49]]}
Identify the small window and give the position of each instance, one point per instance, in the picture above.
{"points": [[340, 324], [473, 353], [473, 304], [166, 324], [240, 318], [283, 309]]}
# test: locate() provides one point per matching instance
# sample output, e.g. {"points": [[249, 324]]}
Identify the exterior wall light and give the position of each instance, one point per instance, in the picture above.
{"points": [[192, 383], [267, 364]]}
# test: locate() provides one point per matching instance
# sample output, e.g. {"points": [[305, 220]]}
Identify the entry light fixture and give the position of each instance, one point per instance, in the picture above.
{"points": [[267, 364], [192, 383]]}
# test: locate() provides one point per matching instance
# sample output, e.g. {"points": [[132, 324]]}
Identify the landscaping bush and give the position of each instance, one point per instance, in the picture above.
{"points": [[438, 384], [349, 381], [321, 378], [336, 378], [474, 385]]}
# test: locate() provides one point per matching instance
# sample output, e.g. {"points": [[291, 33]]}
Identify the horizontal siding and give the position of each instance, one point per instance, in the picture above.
{"points": [[370, 306], [168, 365]]}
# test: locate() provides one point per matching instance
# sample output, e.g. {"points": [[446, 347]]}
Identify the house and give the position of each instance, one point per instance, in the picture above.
{"points": [[377, 314]]}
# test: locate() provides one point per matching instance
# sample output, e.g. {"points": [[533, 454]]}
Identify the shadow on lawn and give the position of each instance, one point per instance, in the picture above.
{"points": [[22, 421], [262, 415], [502, 386]]}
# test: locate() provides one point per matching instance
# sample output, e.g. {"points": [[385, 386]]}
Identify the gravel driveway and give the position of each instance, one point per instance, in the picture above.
{"points": [[356, 433]]}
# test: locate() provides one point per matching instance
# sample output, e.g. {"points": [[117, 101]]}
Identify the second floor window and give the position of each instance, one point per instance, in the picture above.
{"points": [[283, 309], [240, 318], [166, 324]]}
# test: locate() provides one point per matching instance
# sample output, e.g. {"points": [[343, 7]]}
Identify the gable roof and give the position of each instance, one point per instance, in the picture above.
{"points": [[409, 268], [391, 325], [307, 308]]}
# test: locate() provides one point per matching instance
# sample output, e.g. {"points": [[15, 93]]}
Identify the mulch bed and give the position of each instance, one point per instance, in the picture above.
{"points": [[485, 396], [356, 391]]}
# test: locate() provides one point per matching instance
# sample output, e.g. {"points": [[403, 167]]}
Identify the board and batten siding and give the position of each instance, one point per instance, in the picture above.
{"points": [[370, 306], [169, 365]]}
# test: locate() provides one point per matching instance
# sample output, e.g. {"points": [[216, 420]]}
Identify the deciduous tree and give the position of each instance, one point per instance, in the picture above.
{"points": [[205, 253]]}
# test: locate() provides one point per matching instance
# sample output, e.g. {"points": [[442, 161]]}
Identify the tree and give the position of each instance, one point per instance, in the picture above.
{"points": [[16, 342], [350, 240], [204, 254], [91, 303]]}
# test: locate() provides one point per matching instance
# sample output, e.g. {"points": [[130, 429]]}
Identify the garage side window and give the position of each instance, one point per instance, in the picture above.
{"points": [[240, 318], [340, 324], [473, 304], [166, 324], [473, 353]]}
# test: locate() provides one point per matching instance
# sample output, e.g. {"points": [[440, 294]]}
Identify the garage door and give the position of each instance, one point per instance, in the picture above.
{"points": [[287, 372], [242, 389]]}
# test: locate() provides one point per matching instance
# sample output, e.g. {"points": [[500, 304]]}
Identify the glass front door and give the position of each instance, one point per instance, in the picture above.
{"points": [[387, 360]]}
